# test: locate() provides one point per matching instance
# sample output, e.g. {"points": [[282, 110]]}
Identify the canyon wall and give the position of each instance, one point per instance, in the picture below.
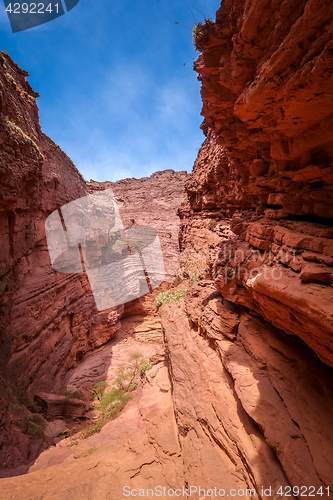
{"points": [[49, 320], [259, 229], [262, 185]]}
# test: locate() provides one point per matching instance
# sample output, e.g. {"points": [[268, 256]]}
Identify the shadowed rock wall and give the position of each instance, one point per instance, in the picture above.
{"points": [[48, 320]]}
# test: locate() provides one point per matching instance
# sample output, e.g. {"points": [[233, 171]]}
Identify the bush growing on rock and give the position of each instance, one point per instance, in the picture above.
{"points": [[34, 425], [127, 374], [99, 390], [168, 296], [200, 34], [112, 402]]}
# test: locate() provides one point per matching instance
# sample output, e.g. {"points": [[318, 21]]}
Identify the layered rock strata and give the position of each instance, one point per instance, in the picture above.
{"points": [[249, 350], [258, 227], [39, 306], [49, 320], [261, 194]]}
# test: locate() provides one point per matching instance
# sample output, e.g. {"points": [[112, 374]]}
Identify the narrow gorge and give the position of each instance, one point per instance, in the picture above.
{"points": [[237, 399]]}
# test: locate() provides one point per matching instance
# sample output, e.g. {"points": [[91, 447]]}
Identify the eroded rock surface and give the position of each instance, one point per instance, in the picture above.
{"points": [[139, 449], [260, 216], [258, 226], [49, 320], [243, 399], [259, 403]]}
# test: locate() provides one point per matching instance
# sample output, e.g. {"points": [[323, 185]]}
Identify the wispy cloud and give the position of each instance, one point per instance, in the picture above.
{"points": [[133, 126]]}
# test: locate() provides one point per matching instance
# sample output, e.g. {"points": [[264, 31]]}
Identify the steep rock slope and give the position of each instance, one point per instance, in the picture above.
{"points": [[47, 318], [261, 192], [259, 229]]}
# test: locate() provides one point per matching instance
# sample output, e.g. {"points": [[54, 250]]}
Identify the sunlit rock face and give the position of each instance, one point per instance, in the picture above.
{"points": [[253, 406], [261, 192], [266, 87], [258, 326]]}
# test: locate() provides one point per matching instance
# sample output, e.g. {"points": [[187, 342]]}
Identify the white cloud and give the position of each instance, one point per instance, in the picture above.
{"points": [[132, 126]]}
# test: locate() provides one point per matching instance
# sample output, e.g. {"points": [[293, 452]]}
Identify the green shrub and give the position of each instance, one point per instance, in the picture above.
{"points": [[34, 425], [99, 390], [127, 374], [87, 432], [65, 434], [124, 373], [26, 400], [112, 403], [169, 296], [200, 34], [143, 366]]}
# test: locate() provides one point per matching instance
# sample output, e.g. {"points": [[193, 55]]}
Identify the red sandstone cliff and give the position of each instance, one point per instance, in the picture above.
{"points": [[259, 229], [49, 320], [262, 182]]}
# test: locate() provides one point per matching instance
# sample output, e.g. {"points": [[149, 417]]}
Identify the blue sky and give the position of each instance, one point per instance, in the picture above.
{"points": [[117, 89]]}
